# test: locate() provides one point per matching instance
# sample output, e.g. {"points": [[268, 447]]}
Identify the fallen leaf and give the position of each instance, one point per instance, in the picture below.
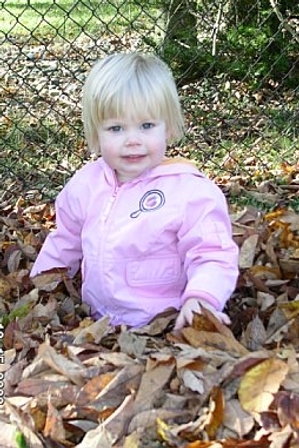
{"points": [[248, 251], [213, 341], [151, 386], [93, 332], [59, 363], [260, 383], [216, 412], [54, 424], [236, 419]]}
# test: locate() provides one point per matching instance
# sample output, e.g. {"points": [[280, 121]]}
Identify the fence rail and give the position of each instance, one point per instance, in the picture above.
{"points": [[236, 64]]}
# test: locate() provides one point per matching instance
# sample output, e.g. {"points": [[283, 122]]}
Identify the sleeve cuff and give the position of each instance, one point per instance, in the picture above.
{"points": [[201, 295]]}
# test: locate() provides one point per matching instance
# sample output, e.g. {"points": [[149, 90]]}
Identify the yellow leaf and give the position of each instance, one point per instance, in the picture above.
{"points": [[166, 433], [290, 309], [5, 288], [260, 383], [162, 429]]}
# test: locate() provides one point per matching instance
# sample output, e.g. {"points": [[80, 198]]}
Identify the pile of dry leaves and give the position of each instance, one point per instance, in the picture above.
{"points": [[72, 382]]}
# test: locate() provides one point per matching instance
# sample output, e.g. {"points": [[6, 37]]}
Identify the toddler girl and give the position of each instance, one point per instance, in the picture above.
{"points": [[148, 232]]}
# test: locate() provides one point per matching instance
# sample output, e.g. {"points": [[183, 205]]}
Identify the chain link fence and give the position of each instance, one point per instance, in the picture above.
{"points": [[236, 64]]}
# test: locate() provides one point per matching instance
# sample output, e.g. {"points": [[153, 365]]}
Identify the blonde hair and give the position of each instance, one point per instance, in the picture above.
{"points": [[135, 83]]}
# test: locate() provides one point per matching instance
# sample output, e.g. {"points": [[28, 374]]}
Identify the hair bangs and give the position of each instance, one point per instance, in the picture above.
{"points": [[137, 98]]}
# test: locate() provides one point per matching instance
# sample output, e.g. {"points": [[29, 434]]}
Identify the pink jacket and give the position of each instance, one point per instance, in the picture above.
{"points": [[146, 245]]}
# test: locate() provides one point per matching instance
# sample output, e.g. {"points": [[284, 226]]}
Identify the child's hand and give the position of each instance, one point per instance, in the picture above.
{"points": [[185, 316]]}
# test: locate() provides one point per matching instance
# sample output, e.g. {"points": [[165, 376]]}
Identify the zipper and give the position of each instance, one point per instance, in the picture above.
{"points": [[102, 245], [113, 197], [109, 205]]}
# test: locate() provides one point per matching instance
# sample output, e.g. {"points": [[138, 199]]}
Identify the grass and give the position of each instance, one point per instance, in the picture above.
{"points": [[66, 19]]}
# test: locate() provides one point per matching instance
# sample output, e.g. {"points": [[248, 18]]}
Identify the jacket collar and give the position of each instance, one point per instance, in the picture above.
{"points": [[169, 165]]}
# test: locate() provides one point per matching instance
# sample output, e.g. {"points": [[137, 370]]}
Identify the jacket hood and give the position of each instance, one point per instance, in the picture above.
{"points": [[174, 165]]}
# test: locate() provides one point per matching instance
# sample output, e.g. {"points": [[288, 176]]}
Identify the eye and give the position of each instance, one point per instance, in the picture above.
{"points": [[147, 125], [115, 128]]}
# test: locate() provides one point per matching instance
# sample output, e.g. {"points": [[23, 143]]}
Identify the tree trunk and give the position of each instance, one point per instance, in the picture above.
{"points": [[180, 40]]}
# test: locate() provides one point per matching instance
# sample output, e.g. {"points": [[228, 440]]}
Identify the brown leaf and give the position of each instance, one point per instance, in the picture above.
{"points": [[193, 380], [73, 371], [213, 341], [113, 428], [5, 288], [148, 418], [93, 332], [216, 411], [10, 336], [54, 428], [288, 409], [236, 419], [24, 424], [255, 334], [159, 324], [93, 387], [48, 281], [151, 386], [131, 343], [123, 382], [248, 251], [38, 415]]}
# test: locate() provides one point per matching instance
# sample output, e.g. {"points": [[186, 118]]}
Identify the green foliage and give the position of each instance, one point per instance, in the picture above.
{"points": [[19, 312], [244, 201], [243, 53], [249, 52], [20, 440], [294, 204], [187, 64]]}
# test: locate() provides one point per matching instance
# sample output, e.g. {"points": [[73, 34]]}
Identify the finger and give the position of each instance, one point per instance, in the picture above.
{"points": [[184, 318], [224, 319], [180, 322]]}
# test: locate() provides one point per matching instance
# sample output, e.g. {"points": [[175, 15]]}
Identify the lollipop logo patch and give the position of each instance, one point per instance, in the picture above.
{"points": [[152, 200]]}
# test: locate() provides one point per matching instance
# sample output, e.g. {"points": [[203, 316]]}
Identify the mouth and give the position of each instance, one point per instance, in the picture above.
{"points": [[134, 158]]}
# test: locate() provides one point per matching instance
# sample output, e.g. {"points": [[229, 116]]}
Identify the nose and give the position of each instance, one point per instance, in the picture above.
{"points": [[132, 138]]}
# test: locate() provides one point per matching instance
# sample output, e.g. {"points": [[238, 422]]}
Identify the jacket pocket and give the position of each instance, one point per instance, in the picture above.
{"points": [[153, 271]]}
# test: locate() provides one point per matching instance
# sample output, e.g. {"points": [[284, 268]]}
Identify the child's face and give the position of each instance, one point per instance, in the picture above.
{"points": [[130, 146]]}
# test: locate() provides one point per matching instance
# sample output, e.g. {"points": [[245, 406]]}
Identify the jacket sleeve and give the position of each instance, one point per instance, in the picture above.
{"points": [[205, 244], [62, 247]]}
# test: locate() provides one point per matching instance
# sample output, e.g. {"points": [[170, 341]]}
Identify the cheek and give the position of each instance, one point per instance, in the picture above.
{"points": [[106, 151], [107, 145], [159, 147]]}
